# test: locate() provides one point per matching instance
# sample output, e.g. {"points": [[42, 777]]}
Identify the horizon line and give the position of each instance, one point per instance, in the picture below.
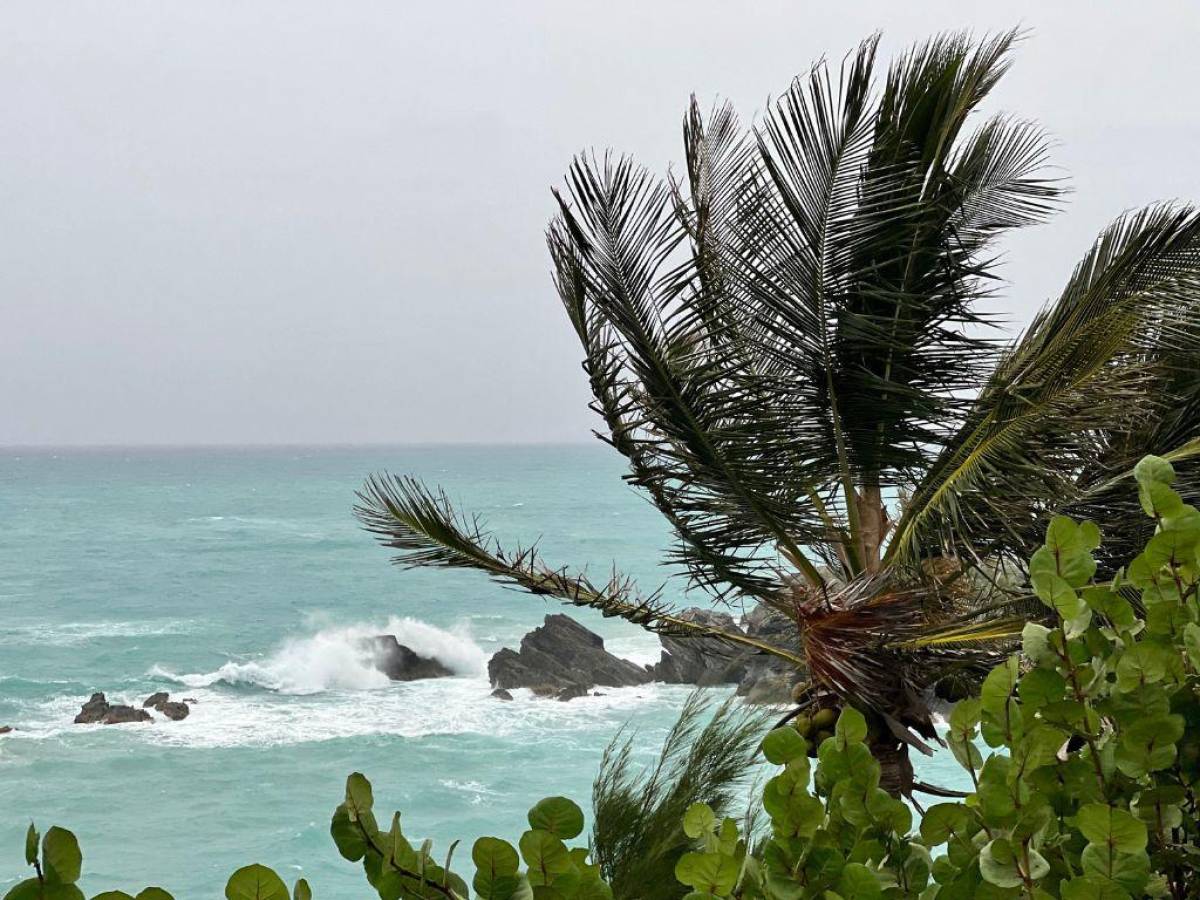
{"points": [[290, 445]]}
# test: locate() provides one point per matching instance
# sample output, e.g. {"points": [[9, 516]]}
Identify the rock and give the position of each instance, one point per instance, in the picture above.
{"points": [[558, 654], [156, 700], [190, 700], [571, 692], [768, 679], [400, 663], [702, 661], [93, 711], [174, 710], [6, 729], [502, 694], [99, 711], [121, 714]]}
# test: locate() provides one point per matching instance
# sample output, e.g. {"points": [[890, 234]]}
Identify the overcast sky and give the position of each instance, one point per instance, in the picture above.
{"points": [[321, 222]]}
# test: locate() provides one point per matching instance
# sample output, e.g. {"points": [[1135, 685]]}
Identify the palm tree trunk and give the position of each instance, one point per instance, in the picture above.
{"points": [[872, 517]]}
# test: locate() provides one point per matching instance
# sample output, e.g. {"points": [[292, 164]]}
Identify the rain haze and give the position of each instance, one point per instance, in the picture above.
{"points": [[300, 222]]}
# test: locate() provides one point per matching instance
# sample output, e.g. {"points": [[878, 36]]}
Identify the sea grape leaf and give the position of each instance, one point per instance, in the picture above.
{"points": [[557, 815], [255, 882]]}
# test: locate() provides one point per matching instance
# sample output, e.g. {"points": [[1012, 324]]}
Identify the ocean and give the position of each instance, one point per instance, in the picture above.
{"points": [[239, 578]]}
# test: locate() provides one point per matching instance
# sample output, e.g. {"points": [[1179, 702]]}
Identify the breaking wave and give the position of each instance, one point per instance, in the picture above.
{"points": [[341, 658]]}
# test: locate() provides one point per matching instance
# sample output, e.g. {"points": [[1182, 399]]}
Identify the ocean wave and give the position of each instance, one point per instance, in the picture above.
{"points": [[340, 658], [70, 633], [415, 710]]}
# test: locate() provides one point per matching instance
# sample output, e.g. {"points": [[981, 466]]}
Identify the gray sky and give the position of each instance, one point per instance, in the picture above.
{"points": [[310, 222]]}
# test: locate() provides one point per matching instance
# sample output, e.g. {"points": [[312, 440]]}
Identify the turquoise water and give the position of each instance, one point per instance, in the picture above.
{"points": [[240, 578]]}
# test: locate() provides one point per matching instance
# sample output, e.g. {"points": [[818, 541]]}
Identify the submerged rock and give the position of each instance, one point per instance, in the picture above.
{"points": [[561, 654], [401, 663], [98, 711], [6, 729], [701, 661], [571, 692], [501, 694]]}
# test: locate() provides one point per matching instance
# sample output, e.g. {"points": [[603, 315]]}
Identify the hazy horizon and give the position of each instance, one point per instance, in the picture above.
{"points": [[311, 224]]}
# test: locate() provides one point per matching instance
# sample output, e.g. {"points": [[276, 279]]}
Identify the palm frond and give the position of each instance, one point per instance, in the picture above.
{"points": [[1087, 369], [637, 836], [682, 408], [422, 525]]}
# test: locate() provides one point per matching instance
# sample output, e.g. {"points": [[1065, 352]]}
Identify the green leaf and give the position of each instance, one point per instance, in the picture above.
{"points": [[545, 855], [1041, 687], [943, 820], [711, 872], [31, 845], [1035, 644], [1119, 829], [359, 797], [61, 858], [346, 835], [999, 686], [783, 745], [495, 855], [1090, 887], [496, 864], [1191, 642], [998, 864], [113, 895], [255, 882], [1154, 470], [1143, 663], [156, 893], [1130, 871], [851, 727], [559, 816], [698, 820], [301, 891], [857, 882]]}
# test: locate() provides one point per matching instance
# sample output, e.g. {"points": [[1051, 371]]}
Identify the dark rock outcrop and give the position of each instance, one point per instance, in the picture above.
{"points": [[156, 700], [174, 710], [702, 661], [561, 654], [6, 729], [400, 663], [768, 679], [98, 710], [501, 694]]}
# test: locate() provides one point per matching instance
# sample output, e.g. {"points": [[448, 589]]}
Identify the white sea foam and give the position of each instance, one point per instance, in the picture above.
{"points": [[414, 710], [70, 633], [341, 658]]}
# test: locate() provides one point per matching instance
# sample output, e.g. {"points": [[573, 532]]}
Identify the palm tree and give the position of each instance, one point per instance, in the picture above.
{"points": [[787, 345]]}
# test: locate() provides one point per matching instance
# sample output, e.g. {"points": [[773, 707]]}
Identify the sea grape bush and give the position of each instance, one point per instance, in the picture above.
{"points": [[541, 865], [1091, 788], [1087, 787]]}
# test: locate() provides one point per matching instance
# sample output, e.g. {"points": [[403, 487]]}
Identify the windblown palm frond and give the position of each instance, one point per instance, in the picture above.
{"points": [[788, 343], [406, 516], [1098, 380]]}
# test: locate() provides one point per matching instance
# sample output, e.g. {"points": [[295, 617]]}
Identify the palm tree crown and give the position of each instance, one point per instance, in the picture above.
{"points": [[786, 342]]}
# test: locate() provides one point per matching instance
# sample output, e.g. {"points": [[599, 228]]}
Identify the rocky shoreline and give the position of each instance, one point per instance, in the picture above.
{"points": [[562, 660]]}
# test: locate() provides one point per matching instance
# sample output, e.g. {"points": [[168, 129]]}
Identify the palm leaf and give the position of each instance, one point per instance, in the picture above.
{"points": [[422, 525], [1085, 370]]}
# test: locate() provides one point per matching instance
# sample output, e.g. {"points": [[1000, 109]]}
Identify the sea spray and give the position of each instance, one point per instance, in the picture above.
{"points": [[341, 658]]}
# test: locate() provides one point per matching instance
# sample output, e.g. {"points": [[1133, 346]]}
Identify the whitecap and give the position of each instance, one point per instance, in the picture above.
{"points": [[341, 658], [70, 633]]}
